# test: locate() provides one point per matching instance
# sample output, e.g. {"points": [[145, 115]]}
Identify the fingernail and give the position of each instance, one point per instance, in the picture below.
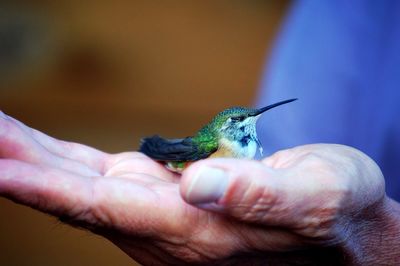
{"points": [[208, 185]]}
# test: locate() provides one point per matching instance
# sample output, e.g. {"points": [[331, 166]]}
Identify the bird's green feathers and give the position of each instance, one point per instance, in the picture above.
{"points": [[237, 124], [200, 146]]}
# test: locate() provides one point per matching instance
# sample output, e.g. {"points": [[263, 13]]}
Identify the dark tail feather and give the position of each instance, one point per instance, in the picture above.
{"points": [[151, 146], [162, 149]]}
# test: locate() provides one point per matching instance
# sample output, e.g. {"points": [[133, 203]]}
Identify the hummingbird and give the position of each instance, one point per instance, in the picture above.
{"points": [[231, 133]]}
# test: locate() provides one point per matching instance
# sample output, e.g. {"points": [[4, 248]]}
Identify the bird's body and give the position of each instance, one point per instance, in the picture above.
{"points": [[232, 133]]}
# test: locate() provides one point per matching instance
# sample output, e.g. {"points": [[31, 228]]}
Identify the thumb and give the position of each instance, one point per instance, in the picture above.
{"points": [[247, 190]]}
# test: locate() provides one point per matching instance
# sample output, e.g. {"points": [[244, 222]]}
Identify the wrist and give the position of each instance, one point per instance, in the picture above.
{"points": [[375, 235]]}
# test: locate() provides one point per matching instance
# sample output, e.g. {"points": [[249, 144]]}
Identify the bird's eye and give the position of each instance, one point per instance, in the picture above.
{"points": [[238, 118]]}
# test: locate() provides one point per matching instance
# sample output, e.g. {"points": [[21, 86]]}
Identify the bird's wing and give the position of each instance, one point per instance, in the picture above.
{"points": [[173, 149]]}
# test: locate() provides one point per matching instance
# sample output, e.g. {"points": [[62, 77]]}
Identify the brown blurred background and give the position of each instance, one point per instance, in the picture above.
{"points": [[106, 73]]}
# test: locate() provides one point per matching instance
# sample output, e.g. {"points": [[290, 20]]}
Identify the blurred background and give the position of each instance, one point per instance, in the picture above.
{"points": [[106, 73]]}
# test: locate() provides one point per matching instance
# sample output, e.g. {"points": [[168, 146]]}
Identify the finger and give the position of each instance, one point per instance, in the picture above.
{"points": [[244, 189], [17, 143], [91, 202], [53, 191], [14, 143], [91, 157], [252, 192]]}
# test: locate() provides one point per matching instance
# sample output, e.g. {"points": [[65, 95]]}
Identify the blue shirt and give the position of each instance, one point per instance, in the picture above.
{"points": [[342, 60]]}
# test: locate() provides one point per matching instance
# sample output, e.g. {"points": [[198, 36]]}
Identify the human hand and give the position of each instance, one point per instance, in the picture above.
{"points": [[320, 204], [127, 197], [269, 211]]}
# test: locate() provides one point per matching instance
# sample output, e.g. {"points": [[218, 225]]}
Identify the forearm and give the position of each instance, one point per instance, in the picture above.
{"points": [[377, 240]]}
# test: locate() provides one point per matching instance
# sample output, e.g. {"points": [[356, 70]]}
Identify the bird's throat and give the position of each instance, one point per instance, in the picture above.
{"points": [[246, 147]]}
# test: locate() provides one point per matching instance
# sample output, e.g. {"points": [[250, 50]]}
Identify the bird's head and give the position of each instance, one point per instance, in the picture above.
{"points": [[237, 122]]}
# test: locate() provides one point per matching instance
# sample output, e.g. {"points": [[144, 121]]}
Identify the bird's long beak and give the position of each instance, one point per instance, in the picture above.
{"points": [[266, 108]]}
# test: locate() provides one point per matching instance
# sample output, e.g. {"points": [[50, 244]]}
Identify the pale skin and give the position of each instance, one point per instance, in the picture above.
{"points": [[319, 203]]}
